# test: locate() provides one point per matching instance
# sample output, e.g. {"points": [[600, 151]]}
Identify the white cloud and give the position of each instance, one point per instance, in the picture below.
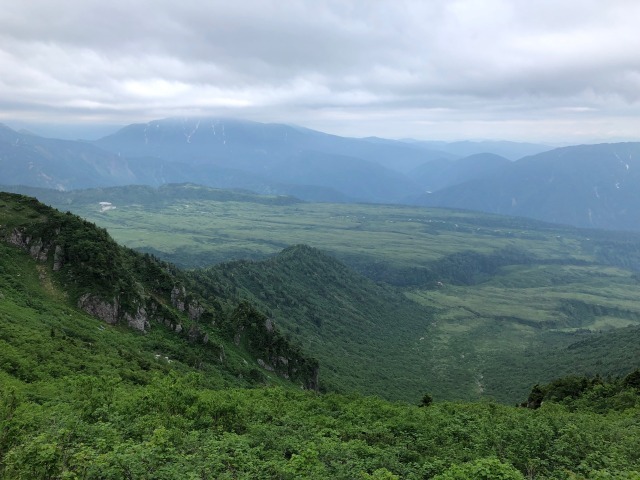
{"points": [[490, 68]]}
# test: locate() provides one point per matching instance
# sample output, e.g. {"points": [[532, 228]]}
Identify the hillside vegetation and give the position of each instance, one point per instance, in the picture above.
{"points": [[363, 334], [80, 267], [81, 397], [506, 302]]}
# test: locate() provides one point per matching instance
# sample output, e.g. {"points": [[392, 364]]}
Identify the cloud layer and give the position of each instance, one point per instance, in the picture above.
{"points": [[547, 70]]}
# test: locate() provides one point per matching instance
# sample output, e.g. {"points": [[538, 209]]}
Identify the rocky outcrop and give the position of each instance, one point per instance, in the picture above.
{"points": [[265, 365], [112, 285], [196, 335], [108, 312], [34, 246], [181, 301], [178, 296], [195, 310], [269, 325], [18, 239], [270, 348], [58, 258], [139, 320]]}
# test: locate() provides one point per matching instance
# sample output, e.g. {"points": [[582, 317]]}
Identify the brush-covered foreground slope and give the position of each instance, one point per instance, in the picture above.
{"points": [[510, 295]]}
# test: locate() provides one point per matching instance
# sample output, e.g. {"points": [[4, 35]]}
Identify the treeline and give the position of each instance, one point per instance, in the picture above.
{"points": [[151, 197], [583, 393]]}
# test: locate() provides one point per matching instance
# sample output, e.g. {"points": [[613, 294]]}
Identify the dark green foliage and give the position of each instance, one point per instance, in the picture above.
{"points": [[426, 400], [174, 428], [359, 331], [535, 397], [632, 380], [483, 469], [461, 268], [589, 393], [258, 333]]}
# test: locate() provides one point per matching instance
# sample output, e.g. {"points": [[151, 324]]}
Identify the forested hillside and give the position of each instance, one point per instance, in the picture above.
{"points": [[504, 302], [363, 334], [81, 267]]}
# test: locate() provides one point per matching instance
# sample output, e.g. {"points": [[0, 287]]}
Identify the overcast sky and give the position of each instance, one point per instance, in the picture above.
{"points": [[557, 71]]}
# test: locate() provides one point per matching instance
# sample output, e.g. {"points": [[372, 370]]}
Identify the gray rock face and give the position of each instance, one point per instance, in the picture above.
{"points": [[195, 311], [97, 307], [177, 298], [269, 325], [38, 251], [58, 258], [34, 246], [18, 239], [138, 321], [265, 365]]}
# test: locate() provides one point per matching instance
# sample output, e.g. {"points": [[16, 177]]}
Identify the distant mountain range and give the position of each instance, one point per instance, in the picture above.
{"points": [[264, 158], [588, 185]]}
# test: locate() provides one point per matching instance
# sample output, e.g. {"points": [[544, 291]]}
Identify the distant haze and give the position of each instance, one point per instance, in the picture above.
{"points": [[548, 71]]}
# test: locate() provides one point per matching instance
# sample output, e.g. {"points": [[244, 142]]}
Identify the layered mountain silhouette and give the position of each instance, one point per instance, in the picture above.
{"points": [[587, 185]]}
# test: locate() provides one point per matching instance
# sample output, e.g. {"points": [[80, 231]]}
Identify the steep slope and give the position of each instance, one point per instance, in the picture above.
{"points": [[506, 290], [588, 186], [91, 273], [362, 333], [368, 337]]}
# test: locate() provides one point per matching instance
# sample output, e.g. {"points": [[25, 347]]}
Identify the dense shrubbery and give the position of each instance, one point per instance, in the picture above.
{"points": [[589, 393], [174, 428]]}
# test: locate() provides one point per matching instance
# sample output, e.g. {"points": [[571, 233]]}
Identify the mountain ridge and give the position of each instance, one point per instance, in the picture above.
{"points": [[593, 186], [585, 185], [121, 287]]}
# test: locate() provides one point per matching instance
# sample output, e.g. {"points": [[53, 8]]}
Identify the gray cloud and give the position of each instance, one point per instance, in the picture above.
{"points": [[545, 70]]}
